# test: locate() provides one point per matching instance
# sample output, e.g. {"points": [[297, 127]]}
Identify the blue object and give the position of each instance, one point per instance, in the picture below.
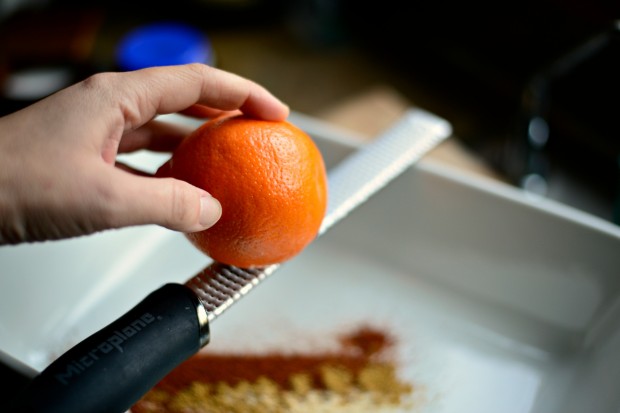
{"points": [[163, 44]]}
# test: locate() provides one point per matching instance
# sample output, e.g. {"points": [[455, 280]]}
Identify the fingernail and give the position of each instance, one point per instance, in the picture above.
{"points": [[287, 110], [210, 211]]}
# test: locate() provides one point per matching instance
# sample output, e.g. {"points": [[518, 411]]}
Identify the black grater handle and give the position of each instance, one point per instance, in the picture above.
{"points": [[112, 369]]}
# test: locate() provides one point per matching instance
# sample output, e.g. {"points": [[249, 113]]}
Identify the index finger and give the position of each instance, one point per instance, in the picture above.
{"points": [[152, 91]]}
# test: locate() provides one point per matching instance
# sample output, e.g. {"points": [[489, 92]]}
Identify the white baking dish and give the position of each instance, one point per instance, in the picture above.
{"points": [[500, 302]]}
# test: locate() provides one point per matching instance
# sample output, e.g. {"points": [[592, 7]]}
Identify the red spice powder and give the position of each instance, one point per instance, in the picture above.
{"points": [[358, 361], [367, 341], [357, 351]]}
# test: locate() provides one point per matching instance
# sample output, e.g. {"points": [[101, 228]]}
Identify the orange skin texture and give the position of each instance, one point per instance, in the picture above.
{"points": [[270, 179]]}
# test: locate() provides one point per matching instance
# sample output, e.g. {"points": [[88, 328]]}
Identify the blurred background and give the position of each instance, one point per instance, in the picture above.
{"points": [[532, 87]]}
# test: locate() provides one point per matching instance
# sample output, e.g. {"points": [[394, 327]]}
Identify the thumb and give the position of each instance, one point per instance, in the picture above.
{"points": [[168, 202]]}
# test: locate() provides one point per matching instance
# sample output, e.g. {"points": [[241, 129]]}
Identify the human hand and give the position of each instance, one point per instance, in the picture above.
{"points": [[58, 171]]}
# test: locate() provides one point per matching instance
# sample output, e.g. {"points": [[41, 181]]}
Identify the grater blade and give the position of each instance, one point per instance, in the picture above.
{"points": [[350, 183], [219, 286]]}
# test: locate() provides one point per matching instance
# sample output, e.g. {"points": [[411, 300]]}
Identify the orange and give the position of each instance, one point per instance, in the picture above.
{"points": [[270, 179]]}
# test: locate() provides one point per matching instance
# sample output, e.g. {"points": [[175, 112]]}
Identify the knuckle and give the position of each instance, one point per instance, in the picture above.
{"points": [[104, 203], [130, 100], [97, 81], [179, 212], [200, 69]]}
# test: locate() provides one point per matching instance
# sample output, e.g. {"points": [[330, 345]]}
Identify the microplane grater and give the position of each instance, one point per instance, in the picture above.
{"points": [[112, 369]]}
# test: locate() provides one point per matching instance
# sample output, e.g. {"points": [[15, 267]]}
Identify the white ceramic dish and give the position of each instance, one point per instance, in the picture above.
{"points": [[501, 302]]}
